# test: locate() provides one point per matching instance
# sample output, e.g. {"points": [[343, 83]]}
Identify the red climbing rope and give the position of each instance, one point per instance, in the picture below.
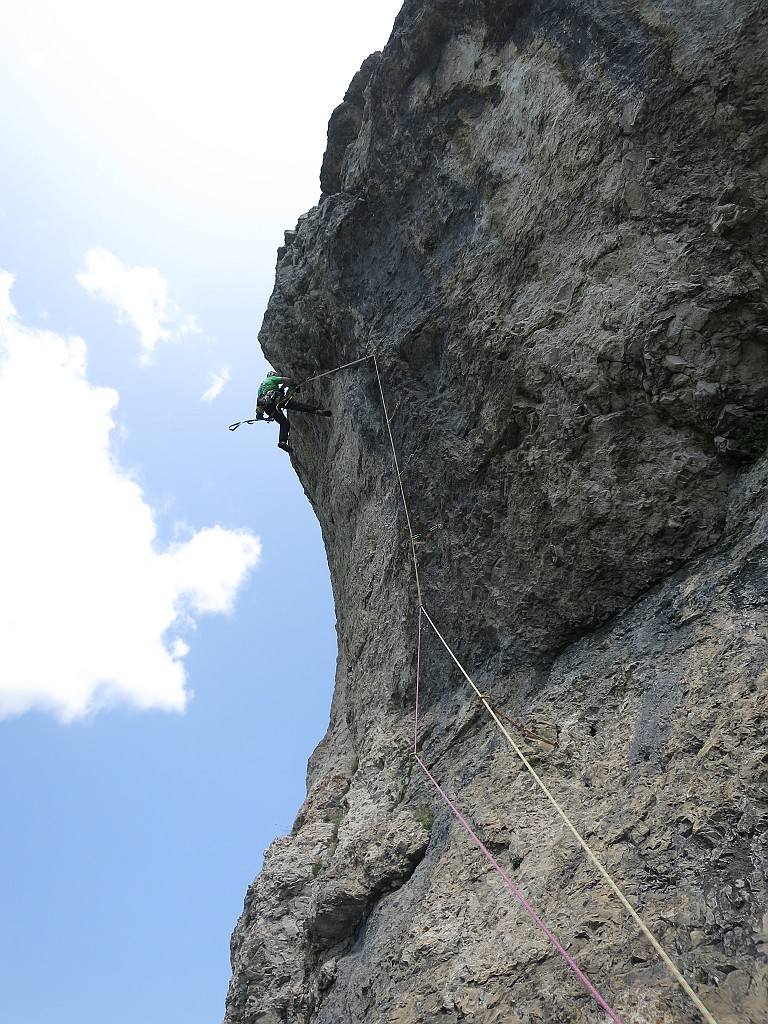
{"points": [[528, 908]]}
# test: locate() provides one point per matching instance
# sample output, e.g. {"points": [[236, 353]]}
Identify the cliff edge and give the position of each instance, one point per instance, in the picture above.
{"points": [[548, 222]]}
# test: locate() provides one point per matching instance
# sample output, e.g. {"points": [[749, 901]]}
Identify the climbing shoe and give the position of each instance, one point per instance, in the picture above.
{"points": [[285, 446]]}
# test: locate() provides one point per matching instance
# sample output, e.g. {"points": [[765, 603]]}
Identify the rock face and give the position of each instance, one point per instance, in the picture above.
{"points": [[548, 221]]}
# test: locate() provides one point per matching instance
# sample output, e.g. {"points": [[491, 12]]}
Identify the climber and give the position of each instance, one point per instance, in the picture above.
{"points": [[275, 395]]}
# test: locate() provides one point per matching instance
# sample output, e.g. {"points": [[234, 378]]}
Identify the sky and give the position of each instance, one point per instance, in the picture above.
{"points": [[167, 643]]}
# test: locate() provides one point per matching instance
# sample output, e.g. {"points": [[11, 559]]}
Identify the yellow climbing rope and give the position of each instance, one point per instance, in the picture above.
{"points": [[594, 860], [607, 878]]}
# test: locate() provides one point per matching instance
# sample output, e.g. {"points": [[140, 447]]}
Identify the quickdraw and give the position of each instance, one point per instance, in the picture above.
{"points": [[234, 426]]}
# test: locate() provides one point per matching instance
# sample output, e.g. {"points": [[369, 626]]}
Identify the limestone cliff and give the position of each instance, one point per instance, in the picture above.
{"points": [[548, 220]]}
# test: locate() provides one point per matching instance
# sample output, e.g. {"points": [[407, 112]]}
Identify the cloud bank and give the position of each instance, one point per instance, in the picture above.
{"points": [[91, 612], [140, 296]]}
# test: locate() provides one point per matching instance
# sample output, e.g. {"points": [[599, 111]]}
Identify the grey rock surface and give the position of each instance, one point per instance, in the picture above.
{"points": [[548, 221]]}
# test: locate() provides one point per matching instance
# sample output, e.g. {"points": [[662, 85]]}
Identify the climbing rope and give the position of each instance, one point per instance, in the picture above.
{"points": [[336, 369], [486, 852], [540, 783], [497, 717], [508, 881], [418, 677], [399, 480], [577, 835], [571, 963]]}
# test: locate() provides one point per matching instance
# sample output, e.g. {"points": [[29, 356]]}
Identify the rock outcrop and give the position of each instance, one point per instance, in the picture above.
{"points": [[548, 221]]}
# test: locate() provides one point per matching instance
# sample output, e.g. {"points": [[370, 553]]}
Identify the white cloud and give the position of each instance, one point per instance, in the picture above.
{"points": [[216, 386], [140, 295], [90, 610], [6, 305], [220, 134]]}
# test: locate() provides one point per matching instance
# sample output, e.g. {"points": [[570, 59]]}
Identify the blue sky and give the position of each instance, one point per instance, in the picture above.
{"points": [[153, 154]]}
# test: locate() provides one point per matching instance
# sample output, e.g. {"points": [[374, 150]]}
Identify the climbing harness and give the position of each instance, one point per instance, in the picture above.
{"points": [[280, 403], [284, 399]]}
